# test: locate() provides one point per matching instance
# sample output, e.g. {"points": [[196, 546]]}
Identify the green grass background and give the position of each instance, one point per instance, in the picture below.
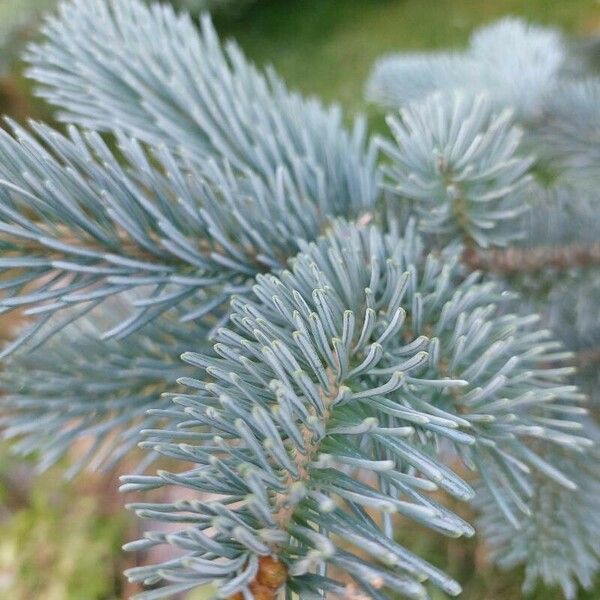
{"points": [[62, 542], [327, 47]]}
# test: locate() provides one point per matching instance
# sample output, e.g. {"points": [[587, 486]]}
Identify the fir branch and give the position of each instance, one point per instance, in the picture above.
{"points": [[517, 64], [80, 391], [558, 539], [329, 397], [78, 226], [342, 391], [190, 220], [119, 65], [569, 134], [464, 175]]}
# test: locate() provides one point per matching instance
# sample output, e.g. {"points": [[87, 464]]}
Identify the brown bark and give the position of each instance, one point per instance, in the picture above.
{"points": [[512, 261], [587, 358]]}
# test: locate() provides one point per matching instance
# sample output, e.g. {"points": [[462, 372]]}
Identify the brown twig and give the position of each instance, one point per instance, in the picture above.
{"points": [[587, 358], [511, 261]]}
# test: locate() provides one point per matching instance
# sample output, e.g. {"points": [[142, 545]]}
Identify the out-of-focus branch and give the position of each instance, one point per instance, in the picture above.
{"points": [[530, 260]]}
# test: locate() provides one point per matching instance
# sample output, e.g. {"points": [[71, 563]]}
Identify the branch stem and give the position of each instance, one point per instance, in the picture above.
{"points": [[512, 261]]}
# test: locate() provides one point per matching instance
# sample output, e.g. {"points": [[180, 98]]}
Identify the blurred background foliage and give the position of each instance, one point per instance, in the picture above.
{"points": [[61, 540]]}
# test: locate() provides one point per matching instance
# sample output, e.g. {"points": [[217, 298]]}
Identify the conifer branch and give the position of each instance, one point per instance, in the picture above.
{"points": [[77, 391], [325, 400], [465, 177], [120, 65], [79, 227]]}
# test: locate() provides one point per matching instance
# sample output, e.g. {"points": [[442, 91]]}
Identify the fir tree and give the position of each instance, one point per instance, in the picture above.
{"points": [[355, 333]]}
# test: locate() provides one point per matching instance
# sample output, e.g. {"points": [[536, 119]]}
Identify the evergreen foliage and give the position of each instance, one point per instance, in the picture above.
{"points": [[149, 73], [77, 387], [519, 64], [327, 398], [20, 19], [459, 163], [558, 540], [354, 351], [553, 257], [180, 233]]}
